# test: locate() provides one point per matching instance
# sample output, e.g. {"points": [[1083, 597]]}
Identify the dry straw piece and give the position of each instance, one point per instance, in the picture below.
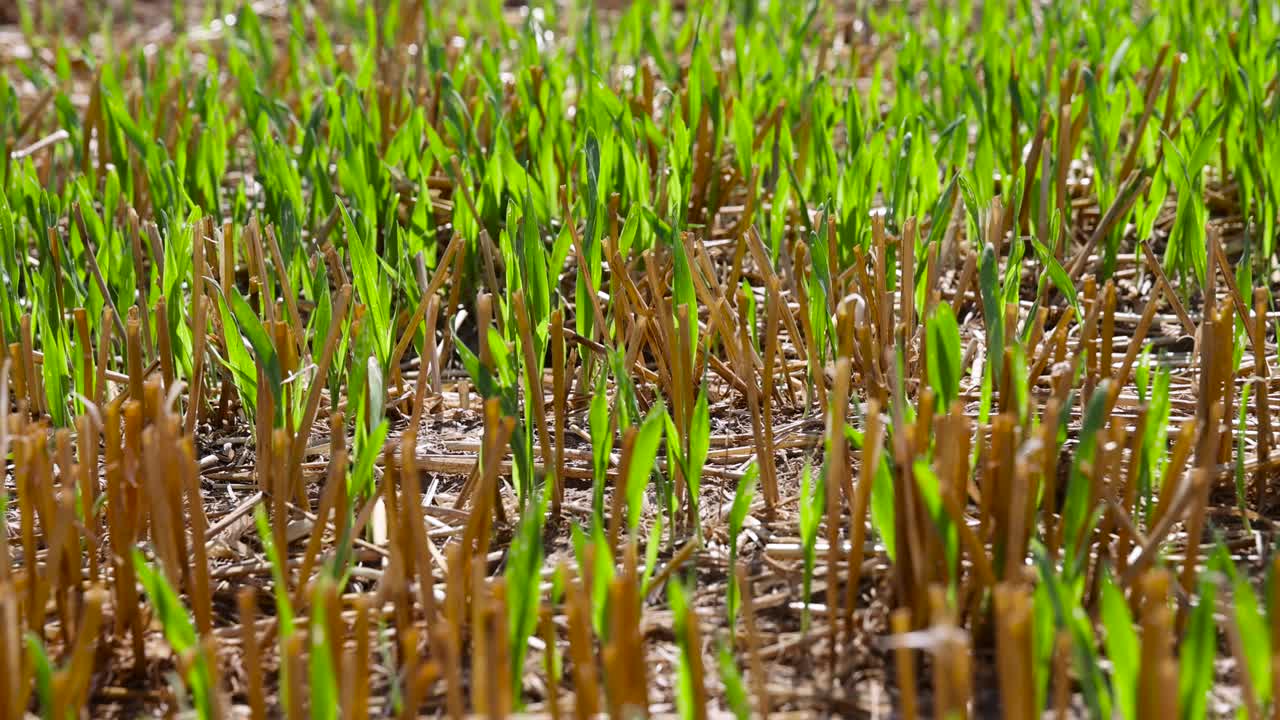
{"points": [[762, 361]]}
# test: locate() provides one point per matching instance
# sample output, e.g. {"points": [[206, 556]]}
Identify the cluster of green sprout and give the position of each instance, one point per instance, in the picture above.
{"points": [[965, 239]]}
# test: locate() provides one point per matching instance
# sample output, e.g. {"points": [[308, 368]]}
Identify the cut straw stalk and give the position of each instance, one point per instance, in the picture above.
{"points": [[303, 435], [1157, 643], [904, 663], [626, 674], [333, 500], [415, 539], [872, 446], [13, 675], [559, 399], [577, 607], [247, 602], [1014, 652], [199, 569], [759, 680], [1149, 102], [768, 465], [35, 396], [420, 312], [1262, 401], [839, 491], [533, 396]]}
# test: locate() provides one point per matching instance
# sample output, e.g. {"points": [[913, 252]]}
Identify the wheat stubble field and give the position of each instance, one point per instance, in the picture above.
{"points": [[739, 359]]}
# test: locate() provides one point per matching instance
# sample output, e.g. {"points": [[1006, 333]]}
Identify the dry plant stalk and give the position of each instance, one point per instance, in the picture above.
{"points": [[904, 663]]}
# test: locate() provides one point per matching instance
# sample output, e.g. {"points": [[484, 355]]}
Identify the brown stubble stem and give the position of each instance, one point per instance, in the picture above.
{"points": [[335, 486], [872, 448], [428, 367], [1152, 593], [1046, 349], [904, 662], [957, 436], [617, 505], [455, 296], [140, 272], [534, 395], [80, 669], [420, 311], [773, 283], [419, 545], [1107, 336], [1149, 102], [395, 582], [1262, 399], [1171, 98], [1130, 489], [87, 467], [578, 609], [414, 691], [202, 601], [1064, 152], [81, 318], [839, 489], [1242, 310], [199, 329], [768, 466], [1148, 257], [559, 400], [759, 680], [247, 601], [226, 271], [911, 565], [485, 489], [22, 475], [1014, 651], [1183, 444], [358, 707], [621, 274], [1029, 172], [1121, 377], [104, 356], [741, 355], [600, 328], [757, 400], [684, 384], [451, 632], [164, 347], [907, 289], [1189, 489], [166, 520], [35, 396], [432, 347], [816, 385], [134, 345], [1206, 454], [286, 287], [120, 533], [1134, 185], [299, 447], [13, 681], [90, 255], [256, 257], [1061, 674]]}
